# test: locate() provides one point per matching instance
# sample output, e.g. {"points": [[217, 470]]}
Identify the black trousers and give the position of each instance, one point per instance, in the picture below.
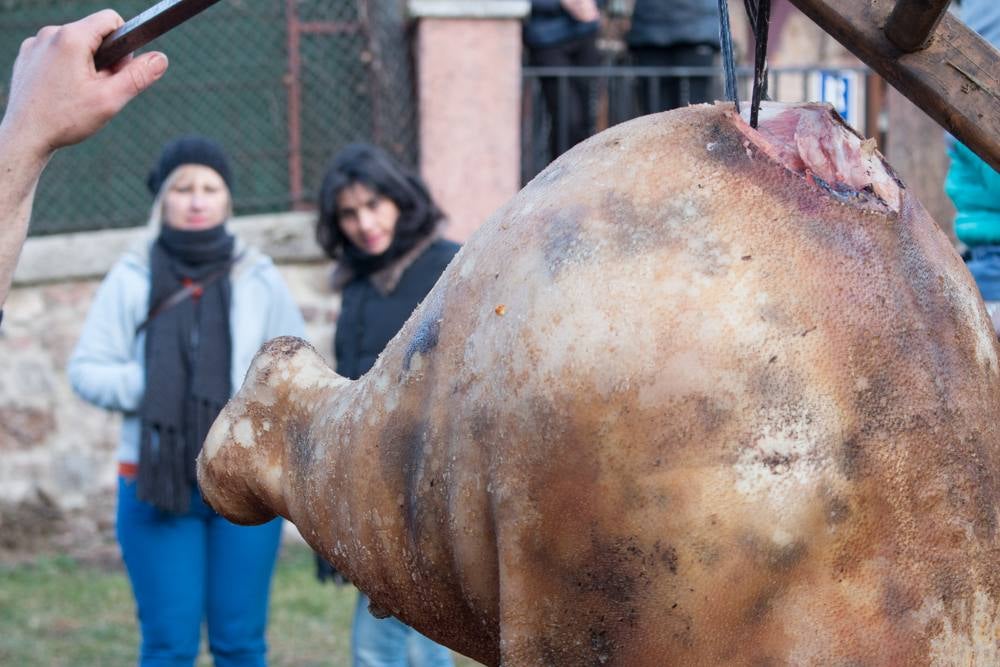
{"points": [[569, 111], [672, 92]]}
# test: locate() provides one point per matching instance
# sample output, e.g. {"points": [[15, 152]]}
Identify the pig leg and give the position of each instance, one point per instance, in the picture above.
{"points": [[242, 469]]}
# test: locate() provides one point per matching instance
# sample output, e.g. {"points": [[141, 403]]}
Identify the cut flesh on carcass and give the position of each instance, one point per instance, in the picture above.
{"points": [[813, 140]]}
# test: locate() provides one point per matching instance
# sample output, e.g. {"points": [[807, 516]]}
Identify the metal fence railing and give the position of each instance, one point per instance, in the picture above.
{"points": [[280, 84], [613, 94]]}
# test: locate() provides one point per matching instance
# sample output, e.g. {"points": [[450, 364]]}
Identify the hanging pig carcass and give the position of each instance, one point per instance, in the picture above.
{"points": [[698, 395]]}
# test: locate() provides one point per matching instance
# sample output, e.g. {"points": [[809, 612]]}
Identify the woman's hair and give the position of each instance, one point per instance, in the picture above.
{"points": [[375, 169]]}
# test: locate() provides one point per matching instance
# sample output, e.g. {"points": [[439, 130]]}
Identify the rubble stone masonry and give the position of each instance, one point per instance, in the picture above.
{"points": [[57, 453]]}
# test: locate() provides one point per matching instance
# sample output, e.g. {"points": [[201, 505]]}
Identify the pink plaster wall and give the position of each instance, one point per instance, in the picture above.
{"points": [[469, 73]]}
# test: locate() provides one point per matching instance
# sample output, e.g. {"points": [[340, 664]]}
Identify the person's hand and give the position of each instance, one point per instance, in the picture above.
{"points": [[58, 97], [584, 11]]}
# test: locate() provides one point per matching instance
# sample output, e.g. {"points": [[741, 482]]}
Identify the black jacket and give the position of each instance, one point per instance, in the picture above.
{"points": [[373, 309], [670, 22], [550, 25]]}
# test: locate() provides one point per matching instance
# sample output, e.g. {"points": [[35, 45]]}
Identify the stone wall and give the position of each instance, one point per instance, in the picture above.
{"points": [[57, 465]]}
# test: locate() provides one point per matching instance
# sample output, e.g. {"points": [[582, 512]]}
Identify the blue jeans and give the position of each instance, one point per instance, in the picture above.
{"points": [[193, 567], [984, 266], [387, 642]]}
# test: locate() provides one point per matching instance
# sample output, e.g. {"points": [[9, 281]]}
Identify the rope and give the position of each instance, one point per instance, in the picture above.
{"points": [[760, 21], [759, 13], [728, 63]]}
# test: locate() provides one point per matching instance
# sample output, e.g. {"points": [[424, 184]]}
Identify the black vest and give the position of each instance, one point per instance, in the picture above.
{"points": [[368, 320]]}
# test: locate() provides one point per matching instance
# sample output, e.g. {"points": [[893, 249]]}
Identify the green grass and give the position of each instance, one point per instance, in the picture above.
{"points": [[59, 612]]}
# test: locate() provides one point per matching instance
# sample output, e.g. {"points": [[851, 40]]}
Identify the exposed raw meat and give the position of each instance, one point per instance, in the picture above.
{"points": [[698, 395]]}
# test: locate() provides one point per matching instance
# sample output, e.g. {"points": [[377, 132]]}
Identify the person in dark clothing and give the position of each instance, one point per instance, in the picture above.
{"points": [[563, 33], [378, 222], [674, 33]]}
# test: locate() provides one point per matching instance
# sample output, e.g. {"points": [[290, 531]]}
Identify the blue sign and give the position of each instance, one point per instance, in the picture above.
{"points": [[840, 90]]}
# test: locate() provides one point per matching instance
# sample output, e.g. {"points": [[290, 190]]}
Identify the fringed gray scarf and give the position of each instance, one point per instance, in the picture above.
{"points": [[188, 350]]}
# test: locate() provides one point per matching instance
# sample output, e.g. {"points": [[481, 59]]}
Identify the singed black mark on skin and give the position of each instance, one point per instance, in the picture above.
{"points": [[428, 331], [711, 414], [724, 142], [423, 341], [284, 346], [985, 489], [634, 234], [762, 604], [782, 559], [949, 585], [301, 450], [667, 556], [837, 510], [852, 457], [779, 463], [413, 454], [280, 349], [402, 457], [777, 559], [482, 423], [897, 602], [600, 645], [565, 243]]}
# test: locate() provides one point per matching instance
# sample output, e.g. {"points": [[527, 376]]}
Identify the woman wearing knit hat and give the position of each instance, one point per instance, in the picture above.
{"points": [[168, 339]]}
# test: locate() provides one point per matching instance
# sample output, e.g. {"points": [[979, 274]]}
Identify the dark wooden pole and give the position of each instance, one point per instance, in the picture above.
{"points": [[955, 80], [146, 27], [912, 22]]}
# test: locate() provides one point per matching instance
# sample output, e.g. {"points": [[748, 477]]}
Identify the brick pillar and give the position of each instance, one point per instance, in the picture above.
{"points": [[469, 85]]}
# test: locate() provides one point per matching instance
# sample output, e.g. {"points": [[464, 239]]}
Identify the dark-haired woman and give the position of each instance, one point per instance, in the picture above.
{"points": [[379, 223], [168, 339]]}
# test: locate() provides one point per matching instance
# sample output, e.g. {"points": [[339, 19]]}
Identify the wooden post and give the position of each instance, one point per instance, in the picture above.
{"points": [[915, 147], [912, 22], [955, 80]]}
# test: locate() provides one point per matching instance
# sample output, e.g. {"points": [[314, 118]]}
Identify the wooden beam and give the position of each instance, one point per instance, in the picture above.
{"points": [[955, 80], [912, 22]]}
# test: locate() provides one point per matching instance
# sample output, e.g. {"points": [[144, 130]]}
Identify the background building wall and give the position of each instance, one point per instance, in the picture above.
{"points": [[57, 453]]}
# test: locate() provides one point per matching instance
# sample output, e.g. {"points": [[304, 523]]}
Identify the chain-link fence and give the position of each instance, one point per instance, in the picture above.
{"points": [[281, 85], [617, 92]]}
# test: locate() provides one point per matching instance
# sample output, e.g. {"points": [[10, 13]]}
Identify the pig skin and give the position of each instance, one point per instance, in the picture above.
{"points": [[675, 404]]}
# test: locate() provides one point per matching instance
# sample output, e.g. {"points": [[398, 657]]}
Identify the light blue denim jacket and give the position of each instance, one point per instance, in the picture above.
{"points": [[107, 365]]}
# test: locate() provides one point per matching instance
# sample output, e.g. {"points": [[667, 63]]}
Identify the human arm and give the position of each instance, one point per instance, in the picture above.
{"points": [[103, 368], [583, 11], [57, 98]]}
